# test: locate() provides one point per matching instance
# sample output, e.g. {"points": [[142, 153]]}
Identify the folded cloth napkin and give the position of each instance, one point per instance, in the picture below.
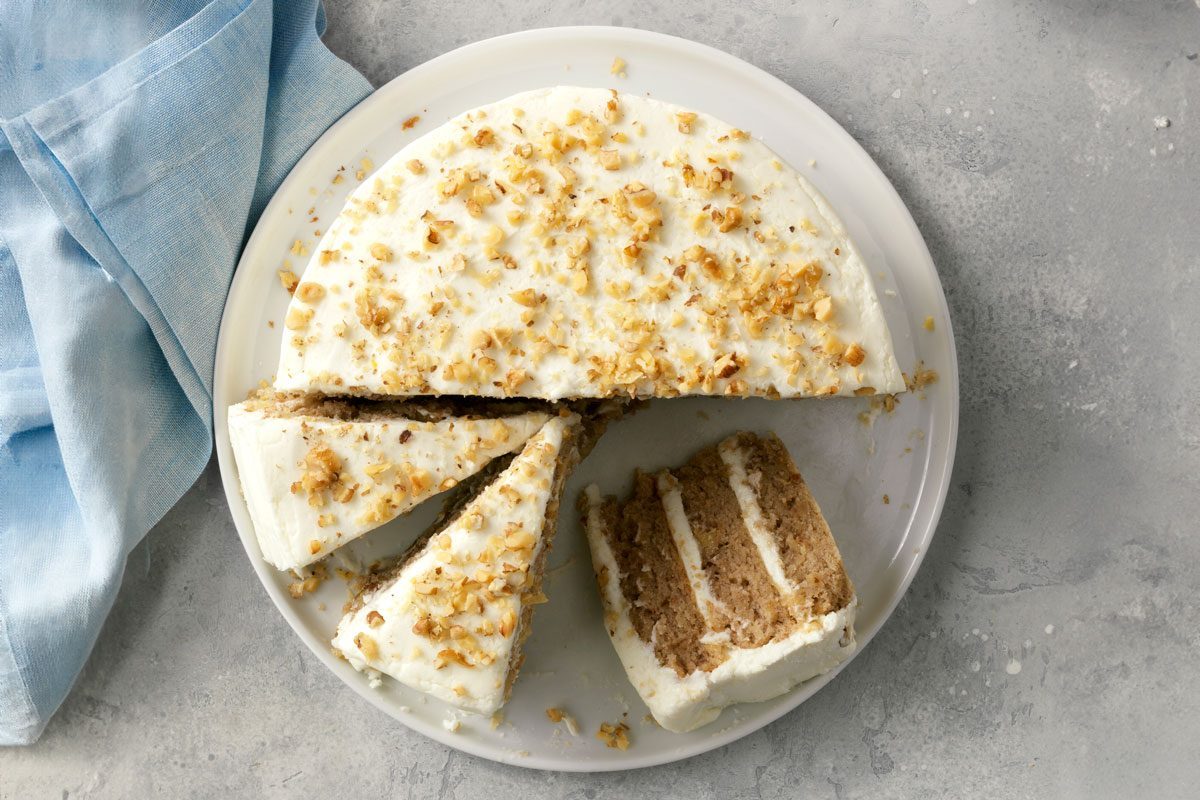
{"points": [[139, 140]]}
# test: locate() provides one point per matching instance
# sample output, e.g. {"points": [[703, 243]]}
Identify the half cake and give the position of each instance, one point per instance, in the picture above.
{"points": [[581, 243], [720, 581], [318, 473], [449, 618]]}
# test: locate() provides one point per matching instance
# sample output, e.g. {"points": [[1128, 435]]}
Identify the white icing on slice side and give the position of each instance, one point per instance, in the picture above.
{"points": [[747, 498], [689, 554]]}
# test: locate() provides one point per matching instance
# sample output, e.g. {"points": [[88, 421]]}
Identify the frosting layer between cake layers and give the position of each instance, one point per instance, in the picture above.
{"points": [[709, 647]]}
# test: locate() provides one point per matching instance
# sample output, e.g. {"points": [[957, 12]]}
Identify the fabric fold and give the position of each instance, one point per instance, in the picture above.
{"points": [[124, 201]]}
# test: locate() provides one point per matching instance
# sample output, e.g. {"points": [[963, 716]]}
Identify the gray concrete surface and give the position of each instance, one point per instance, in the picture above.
{"points": [[1066, 226]]}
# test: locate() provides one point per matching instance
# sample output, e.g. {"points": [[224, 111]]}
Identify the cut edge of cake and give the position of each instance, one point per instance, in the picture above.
{"points": [[318, 473], [710, 669]]}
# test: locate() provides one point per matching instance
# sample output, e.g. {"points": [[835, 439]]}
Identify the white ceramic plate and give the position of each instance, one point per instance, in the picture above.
{"points": [[849, 466]]}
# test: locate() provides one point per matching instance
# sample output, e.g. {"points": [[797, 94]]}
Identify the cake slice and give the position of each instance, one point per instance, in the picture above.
{"points": [[720, 581], [450, 616], [572, 243], [318, 473]]}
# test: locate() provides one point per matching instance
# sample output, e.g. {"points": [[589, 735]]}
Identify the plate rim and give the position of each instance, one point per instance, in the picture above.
{"points": [[616, 35]]}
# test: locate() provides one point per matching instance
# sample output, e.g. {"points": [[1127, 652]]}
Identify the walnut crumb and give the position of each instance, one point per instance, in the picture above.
{"points": [[557, 715], [613, 735], [411, 122]]}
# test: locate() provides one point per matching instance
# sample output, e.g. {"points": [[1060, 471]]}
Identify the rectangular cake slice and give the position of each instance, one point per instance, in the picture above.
{"points": [[450, 616], [318, 473], [720, 580]]}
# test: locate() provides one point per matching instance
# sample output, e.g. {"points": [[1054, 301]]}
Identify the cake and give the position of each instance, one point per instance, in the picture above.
{"points": [[571, 242], [720, 581], [318, 473], [450, 616]]}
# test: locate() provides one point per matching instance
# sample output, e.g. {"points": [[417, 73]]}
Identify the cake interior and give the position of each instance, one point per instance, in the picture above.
{"points": [[731, 598], [349, 408]]}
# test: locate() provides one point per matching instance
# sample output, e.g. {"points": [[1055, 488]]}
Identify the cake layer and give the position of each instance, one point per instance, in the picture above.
{"points": [[748, 599], [450, 617], [317, 474], [572, 242]]}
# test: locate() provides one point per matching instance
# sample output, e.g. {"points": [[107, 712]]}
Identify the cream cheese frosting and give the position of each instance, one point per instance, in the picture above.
{"points": [[314, 483], [571, 242], [681, 703], [450, 621]]}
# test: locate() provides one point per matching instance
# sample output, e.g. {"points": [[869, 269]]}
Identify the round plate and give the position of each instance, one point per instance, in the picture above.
{"points": [[850, 465]]}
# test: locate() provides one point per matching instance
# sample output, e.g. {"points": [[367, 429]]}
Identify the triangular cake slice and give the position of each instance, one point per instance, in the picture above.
{"points": [[580, 243], [318, 473], [720, 581], [449, 618]]}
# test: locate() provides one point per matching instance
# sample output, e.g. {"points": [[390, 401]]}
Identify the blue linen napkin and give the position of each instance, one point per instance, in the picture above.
{"points": [[139, 140]]}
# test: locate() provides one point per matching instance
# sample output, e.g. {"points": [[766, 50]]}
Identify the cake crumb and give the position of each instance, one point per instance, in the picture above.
{"points": [[452, 724], [410, 122], [308, 584], [929, 323], [922, 377], [555, 714], [887, 500], [288, 280], [618, 67], [812, 162], [1161, 122], [614, 735]]}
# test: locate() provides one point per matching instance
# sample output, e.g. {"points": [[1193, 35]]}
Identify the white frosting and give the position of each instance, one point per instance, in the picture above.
{"points": [[473, 579], [687, 547], [748, 674], [532, 292], [392, 465], [747, 499]]}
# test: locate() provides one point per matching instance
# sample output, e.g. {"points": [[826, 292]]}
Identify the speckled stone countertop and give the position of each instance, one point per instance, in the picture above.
{"points": [[1050, 645]]}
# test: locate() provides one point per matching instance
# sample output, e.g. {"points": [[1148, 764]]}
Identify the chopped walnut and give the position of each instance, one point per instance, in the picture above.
{"points": [[731, 219], [528, 298], [366, 646], [610, 159], [310, 292], [288, 280], [483, 137], [297, 318], [614, 735], [416, 167], [854, 355]]}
